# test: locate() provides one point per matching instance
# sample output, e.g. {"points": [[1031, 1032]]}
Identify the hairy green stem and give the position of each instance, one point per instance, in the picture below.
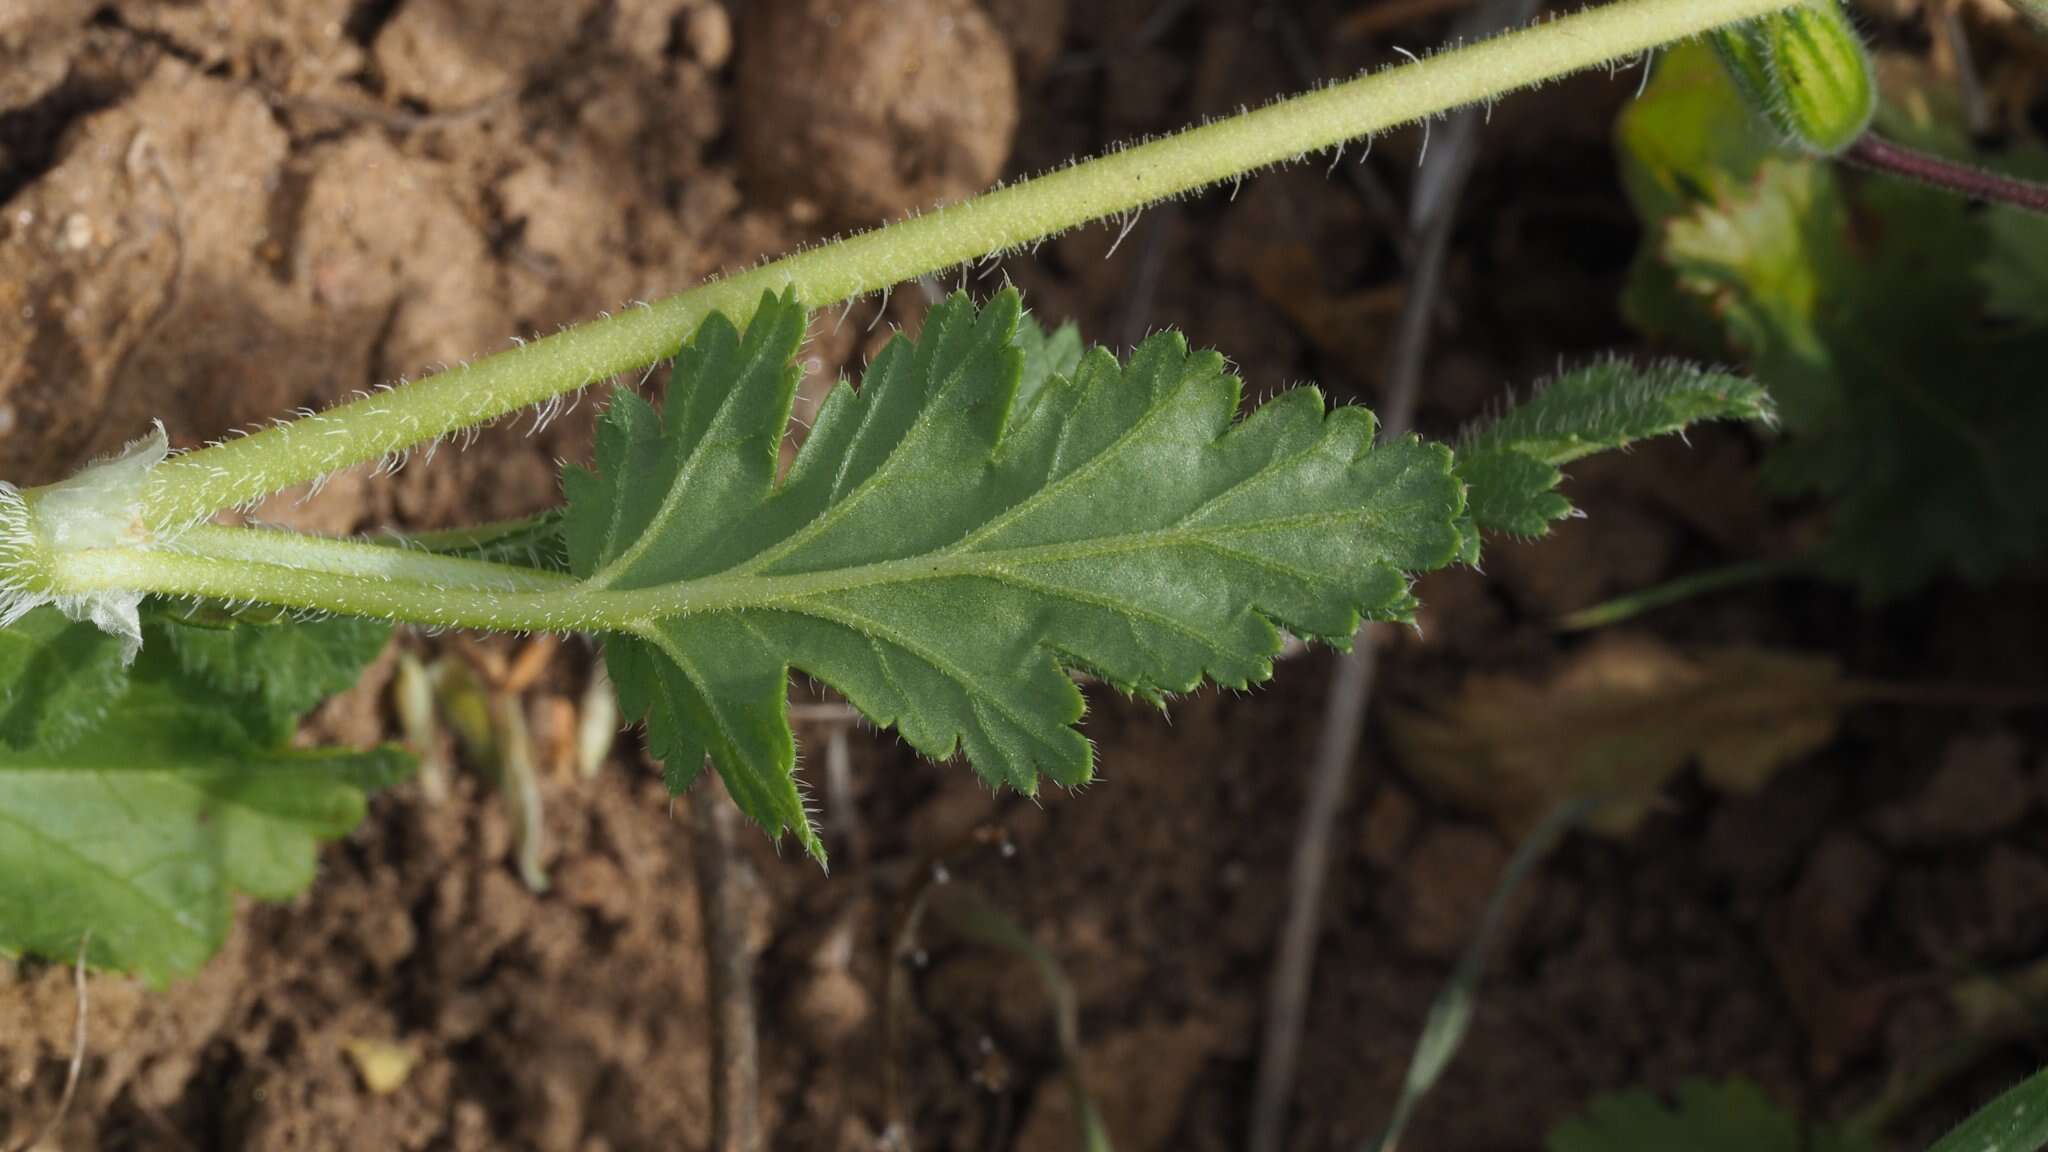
{"points": [[190, 488], [1630, 605]]}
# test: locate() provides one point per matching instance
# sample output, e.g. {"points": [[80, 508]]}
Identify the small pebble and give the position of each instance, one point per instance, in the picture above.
{"points": [[77, 235], [708, 32]]}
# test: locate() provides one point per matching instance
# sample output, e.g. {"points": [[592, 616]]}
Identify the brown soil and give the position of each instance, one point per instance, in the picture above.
{"points": [[219, 210]]}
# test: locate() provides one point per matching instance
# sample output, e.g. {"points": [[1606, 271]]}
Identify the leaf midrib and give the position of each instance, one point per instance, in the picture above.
{"points": [[958, 558], [736, 591]]}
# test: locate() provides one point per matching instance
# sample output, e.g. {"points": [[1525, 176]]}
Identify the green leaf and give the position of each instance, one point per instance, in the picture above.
{"points": [[287, 664], [2015, 271], [1879, 315], [1511, 465], [1903, 406], [533, 542], [943, 564], [140, 830], [1046, 355], [1611, 404], [1729, 1116], [1686, 141], [134, 802], [2015, 1122], [1765, 262], [57, 678]]}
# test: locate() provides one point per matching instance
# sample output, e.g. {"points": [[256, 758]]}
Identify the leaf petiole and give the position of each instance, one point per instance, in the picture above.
{"points": [[399, 562], [408, 591]]}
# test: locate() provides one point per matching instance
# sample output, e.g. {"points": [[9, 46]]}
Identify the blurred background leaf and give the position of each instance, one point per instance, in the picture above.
{"points": [[1901, 330]]}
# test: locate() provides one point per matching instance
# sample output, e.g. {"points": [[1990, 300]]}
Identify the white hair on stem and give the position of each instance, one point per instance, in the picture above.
{"points": [[98, 507]]}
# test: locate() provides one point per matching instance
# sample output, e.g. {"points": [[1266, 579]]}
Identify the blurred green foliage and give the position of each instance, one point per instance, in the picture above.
{"points": [[1902, 331], [1707, 1116]]}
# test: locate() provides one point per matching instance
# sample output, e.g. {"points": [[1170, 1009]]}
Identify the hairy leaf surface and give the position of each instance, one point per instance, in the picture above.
{"points": [[2017, 1121], [532, 542], [139, 830], [57, 678], [1046, 355], [942, 558], [286, 664], [1512, 465]]}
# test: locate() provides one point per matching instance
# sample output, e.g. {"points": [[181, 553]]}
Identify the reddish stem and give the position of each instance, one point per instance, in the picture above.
{"points": [[1881, 155]]}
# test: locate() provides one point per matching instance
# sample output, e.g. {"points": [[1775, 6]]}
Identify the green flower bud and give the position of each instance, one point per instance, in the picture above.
{"points": [[1805, 71], [1743, 54]]}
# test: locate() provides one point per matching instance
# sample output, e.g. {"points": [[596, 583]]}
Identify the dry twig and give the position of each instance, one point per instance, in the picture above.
{"points": [[77, 1067], [721, 893], [1430, 219]]}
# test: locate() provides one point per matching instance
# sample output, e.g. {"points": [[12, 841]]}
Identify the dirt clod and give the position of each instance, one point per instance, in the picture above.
{"points": [[452, 54], [868, 111], [1447, 881]]}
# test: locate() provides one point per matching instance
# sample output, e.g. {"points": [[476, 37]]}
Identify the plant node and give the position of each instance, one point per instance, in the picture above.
{"points": [[99, 507]]}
